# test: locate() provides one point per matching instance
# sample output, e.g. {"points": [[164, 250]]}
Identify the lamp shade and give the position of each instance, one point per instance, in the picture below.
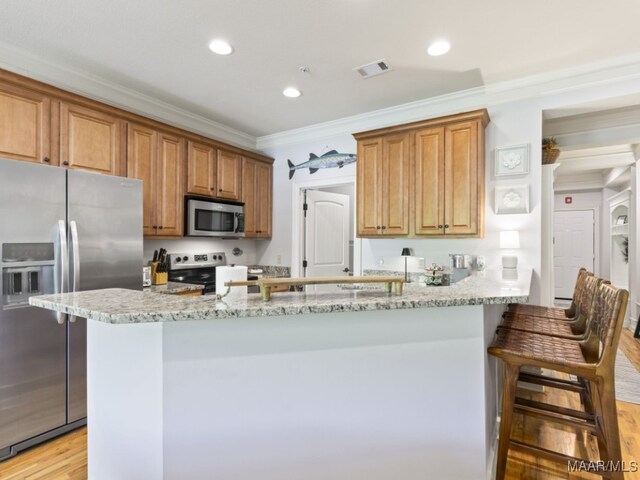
{"points": [[510, 239], [406, 252]]}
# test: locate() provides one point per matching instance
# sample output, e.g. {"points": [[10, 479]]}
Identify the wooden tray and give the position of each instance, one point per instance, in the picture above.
{"points": [[268, 284]]}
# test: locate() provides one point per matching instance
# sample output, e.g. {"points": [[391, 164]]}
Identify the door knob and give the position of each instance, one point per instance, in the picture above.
{"points": [[346, 270]]}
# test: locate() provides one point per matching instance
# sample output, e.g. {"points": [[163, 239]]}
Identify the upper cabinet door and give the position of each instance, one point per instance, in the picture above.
{"points": [[169, 177], [264, 199], [249, 197], [201, 169], [24, 125], [462, 176], [141, 156], [369, 187], [428, 181], [90, 140], [395, 185], [229, 175]]}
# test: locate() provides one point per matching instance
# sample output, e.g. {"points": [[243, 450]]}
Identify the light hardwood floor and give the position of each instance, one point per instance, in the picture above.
{"points": [[65, 458]]}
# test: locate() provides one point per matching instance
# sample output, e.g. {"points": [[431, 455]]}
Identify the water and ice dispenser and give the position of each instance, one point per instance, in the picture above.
{"points": [[27, 269]]}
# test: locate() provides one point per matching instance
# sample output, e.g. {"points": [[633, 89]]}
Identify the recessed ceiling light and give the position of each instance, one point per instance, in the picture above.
{"points": [[291, 92], [220, 47], [439, 47]]}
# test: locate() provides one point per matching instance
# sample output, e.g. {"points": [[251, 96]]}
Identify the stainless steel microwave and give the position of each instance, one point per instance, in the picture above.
{"points": [[211, 218]]}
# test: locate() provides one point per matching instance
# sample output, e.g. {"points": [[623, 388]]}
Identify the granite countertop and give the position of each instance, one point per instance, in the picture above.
{"points": [[120, 306], [173, 288]]}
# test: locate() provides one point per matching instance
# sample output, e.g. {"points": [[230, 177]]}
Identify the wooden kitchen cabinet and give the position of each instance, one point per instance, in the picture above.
{"points": [[157, 158], [464, 179], [257, 195], [214, 172], [383, 186], [201, 169], [90, 140], [229, 175], [25, 122], [444, 158]]}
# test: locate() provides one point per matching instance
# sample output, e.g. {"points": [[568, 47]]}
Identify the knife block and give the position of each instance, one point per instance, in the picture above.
{"points": [[158, 278]]}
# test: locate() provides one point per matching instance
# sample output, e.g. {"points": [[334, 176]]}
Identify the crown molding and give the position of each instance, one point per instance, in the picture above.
{"points": [[607, 72], [83, 83]]}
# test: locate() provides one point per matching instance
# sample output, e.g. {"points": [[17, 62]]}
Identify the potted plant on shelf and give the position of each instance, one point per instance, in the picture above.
{"points": [[550, 150]]}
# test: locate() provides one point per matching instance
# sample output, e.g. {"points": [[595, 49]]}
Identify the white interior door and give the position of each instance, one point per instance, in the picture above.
{"points": [[326, 234], [573, 248]]}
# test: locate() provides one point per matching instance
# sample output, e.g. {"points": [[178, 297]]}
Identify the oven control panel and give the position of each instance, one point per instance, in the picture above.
{"points": [[178, 261]]}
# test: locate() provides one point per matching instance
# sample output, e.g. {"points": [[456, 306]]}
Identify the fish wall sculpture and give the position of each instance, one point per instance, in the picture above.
{"points": [[331, 159]]}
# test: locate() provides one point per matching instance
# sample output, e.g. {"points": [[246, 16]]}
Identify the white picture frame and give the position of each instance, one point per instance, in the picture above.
{"points": [[512, 160], [512, 199]]}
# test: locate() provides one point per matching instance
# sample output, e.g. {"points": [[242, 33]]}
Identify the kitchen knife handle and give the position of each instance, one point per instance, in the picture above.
{"points": [[64, 265], [75, 248]]}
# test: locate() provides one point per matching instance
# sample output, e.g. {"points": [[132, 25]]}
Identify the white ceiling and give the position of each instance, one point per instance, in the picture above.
{"points": [[159, 48]]}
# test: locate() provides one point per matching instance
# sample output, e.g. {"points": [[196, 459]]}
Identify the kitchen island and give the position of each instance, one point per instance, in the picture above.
{"points": [[346, 383]]}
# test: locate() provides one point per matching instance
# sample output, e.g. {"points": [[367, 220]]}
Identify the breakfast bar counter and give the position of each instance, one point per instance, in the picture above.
{"points": [[329, 384]]}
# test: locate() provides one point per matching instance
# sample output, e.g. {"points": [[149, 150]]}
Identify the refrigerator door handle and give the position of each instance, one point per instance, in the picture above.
{"points": [[64, 265], [76, 261]]}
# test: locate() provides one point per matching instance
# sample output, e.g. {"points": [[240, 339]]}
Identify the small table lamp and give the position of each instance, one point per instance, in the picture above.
{"points": [[406, 252], [510, 240]]}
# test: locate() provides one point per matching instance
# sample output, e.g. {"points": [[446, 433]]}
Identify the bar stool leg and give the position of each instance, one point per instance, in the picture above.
{"points": [[606, 392], [509, 385]]}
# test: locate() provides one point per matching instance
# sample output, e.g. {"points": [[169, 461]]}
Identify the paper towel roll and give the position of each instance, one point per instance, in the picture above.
{"points": [[231, 274]]}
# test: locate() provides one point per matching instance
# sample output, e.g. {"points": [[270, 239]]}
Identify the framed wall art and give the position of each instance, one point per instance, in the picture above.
{"points": [[512, 160], [512, 199]]}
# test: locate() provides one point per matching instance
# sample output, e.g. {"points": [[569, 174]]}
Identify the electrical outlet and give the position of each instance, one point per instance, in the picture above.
{"points": [[421, 263], [381, 261], [278, 259]]}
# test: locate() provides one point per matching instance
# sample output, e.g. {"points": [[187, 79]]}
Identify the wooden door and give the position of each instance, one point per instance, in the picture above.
{"points": [[249, 196], [461, 179], [141, 157], [368, 187], [264, 199], [429, 181], [201, 169], [169, 178], [24, 125], [229, 175], [395, 185], [90, 140]]}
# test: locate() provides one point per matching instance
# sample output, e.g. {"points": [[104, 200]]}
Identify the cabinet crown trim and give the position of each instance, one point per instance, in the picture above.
{"points": [[481, 115]]}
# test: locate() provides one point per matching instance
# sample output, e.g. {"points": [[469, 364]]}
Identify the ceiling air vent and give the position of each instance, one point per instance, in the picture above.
{"points": [[374, 68]]}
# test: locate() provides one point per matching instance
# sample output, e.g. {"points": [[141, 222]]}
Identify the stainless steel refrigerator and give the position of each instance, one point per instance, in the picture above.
{"points": [[60, 231]]}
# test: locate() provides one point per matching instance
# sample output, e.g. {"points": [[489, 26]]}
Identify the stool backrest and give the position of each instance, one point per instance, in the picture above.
{"points": [[587, 295], [583, 273], [610, 306]]}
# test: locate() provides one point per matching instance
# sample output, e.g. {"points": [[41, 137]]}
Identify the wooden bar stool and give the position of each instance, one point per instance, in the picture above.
{"points": [[592, 359], [554, 312], [576, 329]]}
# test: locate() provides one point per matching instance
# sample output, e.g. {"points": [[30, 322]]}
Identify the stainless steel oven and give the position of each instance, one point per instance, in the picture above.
{"points": [[213, 218]]}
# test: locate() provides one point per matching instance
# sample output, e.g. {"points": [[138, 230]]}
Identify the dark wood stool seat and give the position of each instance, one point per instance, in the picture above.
{"points": [[592, 359]]}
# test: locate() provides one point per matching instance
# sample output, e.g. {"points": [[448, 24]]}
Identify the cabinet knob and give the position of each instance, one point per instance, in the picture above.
{"points": [[160, 227], [219, 189], [155, 227], [446, 225], [66, 162], [212, 189], [384, 228], [378, 227], [258, 231], [46, 159], [439, 226]]}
